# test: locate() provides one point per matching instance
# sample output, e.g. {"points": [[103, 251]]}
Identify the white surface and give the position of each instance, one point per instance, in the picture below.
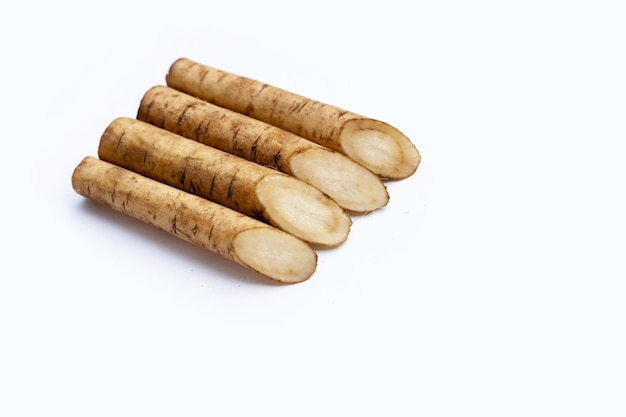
{"points": [[493, 284]]}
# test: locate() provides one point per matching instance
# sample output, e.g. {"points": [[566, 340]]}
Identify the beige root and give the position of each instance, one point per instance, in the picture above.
{"points": [[257, 191], [351, 185], [262, 248], [374, 144]]}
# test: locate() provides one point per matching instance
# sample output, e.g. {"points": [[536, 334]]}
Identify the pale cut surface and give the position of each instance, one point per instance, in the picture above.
{"points": [[379, 147], [302, 210], [352, 186], [276, 254]]}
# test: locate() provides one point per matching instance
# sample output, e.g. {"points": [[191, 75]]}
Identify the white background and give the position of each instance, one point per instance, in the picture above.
{"points": [[493, 284]]}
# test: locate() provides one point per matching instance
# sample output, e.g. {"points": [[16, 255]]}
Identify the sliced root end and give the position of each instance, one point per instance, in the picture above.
{"points": [[275, 254], [303, 211], [380, 147], [353, 187]]}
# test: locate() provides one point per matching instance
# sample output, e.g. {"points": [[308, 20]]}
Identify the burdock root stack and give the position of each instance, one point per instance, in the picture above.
{"points": [[352, 186], [262, 248], [374, 144], [257, 191]]}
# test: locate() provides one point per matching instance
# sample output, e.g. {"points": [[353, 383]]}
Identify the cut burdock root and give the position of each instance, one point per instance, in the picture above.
{"points": [[352, 186], [376, 145], [271, 252], [257, 191]]}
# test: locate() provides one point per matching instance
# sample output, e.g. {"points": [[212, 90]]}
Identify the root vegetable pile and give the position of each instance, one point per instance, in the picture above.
{"points": [[251, 172]]}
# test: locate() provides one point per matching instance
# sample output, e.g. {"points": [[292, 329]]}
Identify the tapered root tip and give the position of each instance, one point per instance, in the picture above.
{"points": [[275, 254], [353, 187], [379, 147]]}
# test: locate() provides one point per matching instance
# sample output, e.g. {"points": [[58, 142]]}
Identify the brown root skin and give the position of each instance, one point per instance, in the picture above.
{"points": [[376, 145], [255, 245], [257, 191], [220, 128], [351, 185]]}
